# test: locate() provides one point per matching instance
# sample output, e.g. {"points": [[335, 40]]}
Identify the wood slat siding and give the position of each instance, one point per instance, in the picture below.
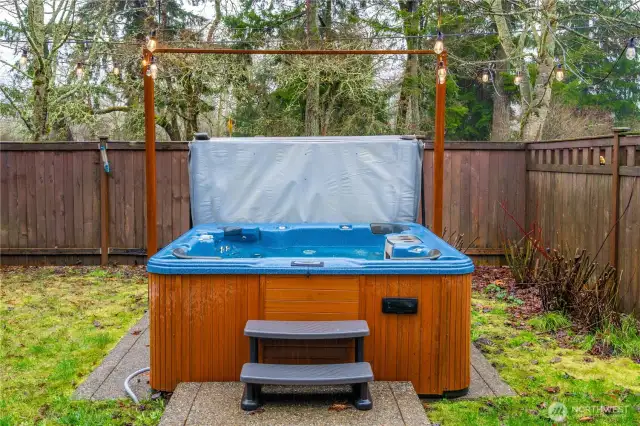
{"points": [[569, 196], [477, 178], [197, 324]]}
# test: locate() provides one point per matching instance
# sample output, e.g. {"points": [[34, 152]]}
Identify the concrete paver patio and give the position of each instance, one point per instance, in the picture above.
{"points": [[195, 400]]}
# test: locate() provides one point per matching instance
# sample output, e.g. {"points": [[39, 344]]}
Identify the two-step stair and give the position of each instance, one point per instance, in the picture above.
{"points": [[357, 374]]}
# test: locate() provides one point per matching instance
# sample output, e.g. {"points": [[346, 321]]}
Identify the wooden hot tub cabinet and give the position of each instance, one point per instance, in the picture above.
{"points": [[197, 324]]}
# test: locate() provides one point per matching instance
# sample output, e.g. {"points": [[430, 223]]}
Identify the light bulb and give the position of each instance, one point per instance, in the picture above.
{"points": [[79, 71], [145, 62], [559, 73], [23, 58], [631, 49], [518, 79], [116, 70], [438, 47], [148, 72], [153, 68], [442, 73], [485, 76], [151, 42]]}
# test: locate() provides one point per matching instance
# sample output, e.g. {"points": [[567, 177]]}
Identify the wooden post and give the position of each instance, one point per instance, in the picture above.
{"points": [[615, 196], [150, 159], [104, 206], [438, 151]]}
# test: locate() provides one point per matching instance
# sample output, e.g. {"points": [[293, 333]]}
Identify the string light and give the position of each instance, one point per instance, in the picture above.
{"points": [[442, 73], [518, 78], [439, 46], [144, 62], [152, 43], [23, 58], [485, 76], [79, 70], [631, 49], [116, 70], [559, 72]]}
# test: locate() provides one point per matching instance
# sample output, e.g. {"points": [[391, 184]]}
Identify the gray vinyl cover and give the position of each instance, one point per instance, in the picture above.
{"points": [[305, 179]]}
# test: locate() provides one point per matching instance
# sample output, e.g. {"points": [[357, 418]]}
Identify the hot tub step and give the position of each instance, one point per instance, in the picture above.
{"points": [[357, 374], [295, 330], [323, 374]]}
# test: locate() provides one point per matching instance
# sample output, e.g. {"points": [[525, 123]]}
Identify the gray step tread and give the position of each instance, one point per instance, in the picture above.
{"points": [[306, 329], [319, 374]]}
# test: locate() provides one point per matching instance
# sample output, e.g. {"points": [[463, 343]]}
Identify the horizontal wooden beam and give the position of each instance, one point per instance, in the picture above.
{"points": [[479, 251], [478, 146], [583, 143], [90, 146], [48, 251], [226, 51], [629, 170], [570, 168]]}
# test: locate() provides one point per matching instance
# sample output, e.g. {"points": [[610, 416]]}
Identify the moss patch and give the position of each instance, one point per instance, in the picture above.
{"points": [[58, 323], [594, 390]]}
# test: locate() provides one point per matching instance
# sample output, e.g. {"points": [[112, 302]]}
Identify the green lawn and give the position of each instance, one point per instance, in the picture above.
{"points": [[57, 325], [542, 370]]}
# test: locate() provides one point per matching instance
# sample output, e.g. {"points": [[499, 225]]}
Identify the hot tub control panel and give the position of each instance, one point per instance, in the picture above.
{"points": [[404, 246]]}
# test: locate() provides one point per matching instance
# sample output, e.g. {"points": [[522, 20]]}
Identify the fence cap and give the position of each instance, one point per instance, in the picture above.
{"points": [[620, 129]]}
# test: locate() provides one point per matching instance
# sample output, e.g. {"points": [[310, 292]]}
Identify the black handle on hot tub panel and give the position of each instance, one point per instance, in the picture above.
{"points": [[181, 253], [310, 263]]}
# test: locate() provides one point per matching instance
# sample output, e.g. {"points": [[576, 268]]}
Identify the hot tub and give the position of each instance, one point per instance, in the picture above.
{"points": [[412, 288]]}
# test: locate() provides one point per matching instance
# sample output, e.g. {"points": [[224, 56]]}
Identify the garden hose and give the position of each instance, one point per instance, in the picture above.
{"points": [[127, 389]]}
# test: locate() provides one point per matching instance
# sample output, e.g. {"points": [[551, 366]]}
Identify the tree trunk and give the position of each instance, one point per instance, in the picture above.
{"points": [[500, 119], [535, 102], [312, 105], [41, 73], [535, 116], [408, 119]]}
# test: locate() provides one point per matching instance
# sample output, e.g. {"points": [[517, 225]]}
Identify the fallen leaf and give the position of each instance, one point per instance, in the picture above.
{"points": [[555, 360], [136, 332], [552, 389], [585, 419], [97, 324], [339, 406], [156, 395]]}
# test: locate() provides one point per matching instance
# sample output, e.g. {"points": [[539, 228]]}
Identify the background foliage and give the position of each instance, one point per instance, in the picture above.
{"points": [[296, 95]]}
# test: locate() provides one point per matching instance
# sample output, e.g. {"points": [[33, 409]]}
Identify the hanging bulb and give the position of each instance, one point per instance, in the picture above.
{"points": [[152, 42], [518, 78], [485, 76], [148, 71], [79, 70], [152, 70], [116, 70], [439, 46], [559, 73], [23, 58], [144, 62], [442, 73], [631, 49]]}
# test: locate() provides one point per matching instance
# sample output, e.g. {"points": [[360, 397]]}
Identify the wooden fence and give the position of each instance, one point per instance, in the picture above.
{"points": [[52, 206]]}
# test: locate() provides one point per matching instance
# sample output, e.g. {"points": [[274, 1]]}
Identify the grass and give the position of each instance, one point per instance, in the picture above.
{"points": [[550, 321], [595, 391], [57, 325]]}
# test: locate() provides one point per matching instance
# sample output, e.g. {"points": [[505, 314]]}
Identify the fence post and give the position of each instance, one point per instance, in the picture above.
{"points": [[615, 195], [104, 202]]}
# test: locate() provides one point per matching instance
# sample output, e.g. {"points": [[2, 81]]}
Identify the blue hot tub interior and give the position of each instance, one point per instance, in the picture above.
{"points": [[404, 248]]}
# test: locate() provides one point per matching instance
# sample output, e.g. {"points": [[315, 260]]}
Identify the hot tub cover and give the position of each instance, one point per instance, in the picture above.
{"points": [[305, 179]]}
